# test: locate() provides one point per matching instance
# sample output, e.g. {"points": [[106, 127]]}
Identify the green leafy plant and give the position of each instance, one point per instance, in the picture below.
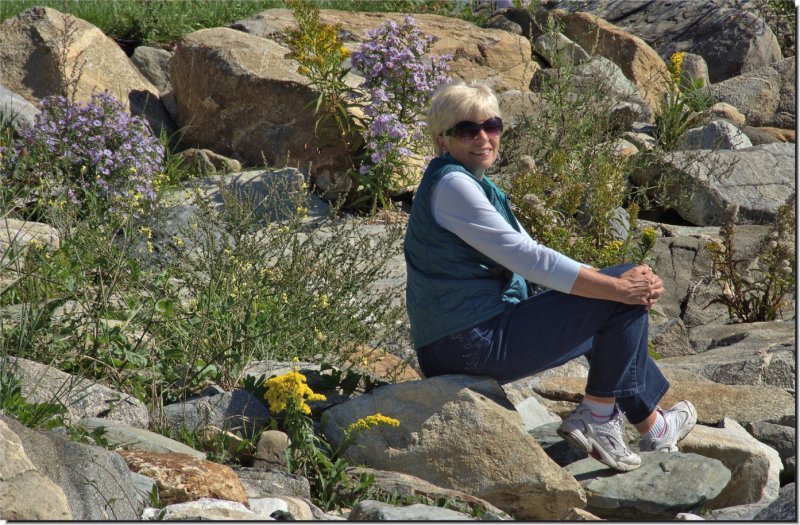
{"points": [[310, 454], [682, 102], [399, 80], [321, 54], [756, 290], [567, 185]]}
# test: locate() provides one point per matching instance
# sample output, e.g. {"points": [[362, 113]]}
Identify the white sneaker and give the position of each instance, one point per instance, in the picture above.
{"points": [[603, 441], [680, 419]]}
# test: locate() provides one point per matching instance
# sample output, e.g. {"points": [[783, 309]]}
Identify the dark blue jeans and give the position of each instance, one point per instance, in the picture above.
{"points": [[551, 328]]}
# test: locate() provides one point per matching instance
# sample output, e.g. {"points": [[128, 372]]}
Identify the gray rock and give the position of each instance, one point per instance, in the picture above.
{"points": [[232, 411], [736, 512], [670, 337], [26, 493], [665, 484], [789, 473], [782, 509], [15, 107], [756, 179], [444, 422], [693, 68], [602, 74], [203, 509], [730, 39], [144, 488], [127, 437], [780, 437], [765, 357], [81, 397], [558, 50], [766, 96], [517, 106], [97, 482], [369, 510], [555, 446], [718, 134], [153, 63], [260, 483], [397, 484], [721, 335], [755, 467]]}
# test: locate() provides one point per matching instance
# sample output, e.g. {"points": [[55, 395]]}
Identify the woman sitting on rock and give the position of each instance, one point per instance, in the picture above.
{"points": [[468, 260]]}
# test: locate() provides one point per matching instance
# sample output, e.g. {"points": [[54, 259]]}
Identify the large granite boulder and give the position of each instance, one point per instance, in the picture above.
{"points": [[237, 95], [81, 397], [34, 40], [499, 58], [730, 37], [637, 60], [96, 482], [755, 467], [459, 432], [25, 493], [766, 96], [705, 183], [666, 484]]}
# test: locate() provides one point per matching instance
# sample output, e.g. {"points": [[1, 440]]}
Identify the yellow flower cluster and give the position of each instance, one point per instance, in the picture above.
{"points": [[676, 66], [649, 236], [290, 390], [365, 423], [316, 46]]}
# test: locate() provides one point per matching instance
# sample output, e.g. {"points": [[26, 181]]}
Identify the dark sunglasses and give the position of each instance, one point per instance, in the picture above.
{"points": [[468, 131]]}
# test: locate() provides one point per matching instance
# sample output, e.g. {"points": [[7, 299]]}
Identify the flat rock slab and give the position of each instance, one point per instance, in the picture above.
{"points": [[744, 357], [378, 511], [714, 401], [131, 438], [665, 484]]}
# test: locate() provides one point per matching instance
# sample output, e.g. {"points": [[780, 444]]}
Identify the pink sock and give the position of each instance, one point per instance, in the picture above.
{"points": [[658, 428]]}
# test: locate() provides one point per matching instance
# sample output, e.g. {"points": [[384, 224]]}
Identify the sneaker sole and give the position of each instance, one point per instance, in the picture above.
{"points": [[578, 440]]}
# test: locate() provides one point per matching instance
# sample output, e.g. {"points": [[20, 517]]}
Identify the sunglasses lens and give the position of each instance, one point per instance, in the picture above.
{"points": [[468, 130]]}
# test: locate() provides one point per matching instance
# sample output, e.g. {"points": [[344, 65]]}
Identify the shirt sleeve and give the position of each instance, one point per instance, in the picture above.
{"points": [[460, 206]]}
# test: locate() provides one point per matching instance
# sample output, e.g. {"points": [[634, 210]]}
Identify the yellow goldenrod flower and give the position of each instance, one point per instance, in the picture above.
{"points": [[676, 65], [290, 391], [365, 423]]}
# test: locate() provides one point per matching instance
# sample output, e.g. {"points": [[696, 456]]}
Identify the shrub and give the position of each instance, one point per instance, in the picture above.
{"points": [[78, 153], [682, 101], [756, 290], [400, 82], [567, 184], [309, 454]]}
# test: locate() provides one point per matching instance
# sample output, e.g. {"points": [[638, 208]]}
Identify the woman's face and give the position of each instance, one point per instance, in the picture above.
{"points": [[475, 149]]}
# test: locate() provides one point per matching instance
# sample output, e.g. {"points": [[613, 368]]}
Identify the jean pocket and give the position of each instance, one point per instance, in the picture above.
{"points": [[469, 348]]}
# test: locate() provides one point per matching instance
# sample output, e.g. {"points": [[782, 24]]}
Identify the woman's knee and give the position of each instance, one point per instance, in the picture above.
{"points": [[617, 269]]}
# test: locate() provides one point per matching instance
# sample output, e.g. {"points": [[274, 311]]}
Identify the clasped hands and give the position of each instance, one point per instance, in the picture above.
{"points": [[643, 286]]}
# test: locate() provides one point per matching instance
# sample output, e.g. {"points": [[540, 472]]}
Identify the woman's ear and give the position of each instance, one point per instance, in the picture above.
{"points": [[441, 148]]}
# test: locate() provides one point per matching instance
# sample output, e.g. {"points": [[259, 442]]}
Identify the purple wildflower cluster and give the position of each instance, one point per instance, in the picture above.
{"points": [[98, 148], [400, 80]]}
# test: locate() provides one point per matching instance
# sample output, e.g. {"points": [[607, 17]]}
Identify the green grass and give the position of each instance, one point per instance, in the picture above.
{"points": [[163, 21]]}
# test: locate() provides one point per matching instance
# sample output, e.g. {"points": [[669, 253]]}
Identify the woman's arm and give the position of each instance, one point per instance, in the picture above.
{"points": [[639, 285]]}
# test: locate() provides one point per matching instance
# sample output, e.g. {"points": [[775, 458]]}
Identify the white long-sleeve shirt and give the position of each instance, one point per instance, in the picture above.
{"points": [[460, 206]]}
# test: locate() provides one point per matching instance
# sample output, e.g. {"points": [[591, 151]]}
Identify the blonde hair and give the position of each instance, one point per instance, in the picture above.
{"points": [[459, 101]]}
